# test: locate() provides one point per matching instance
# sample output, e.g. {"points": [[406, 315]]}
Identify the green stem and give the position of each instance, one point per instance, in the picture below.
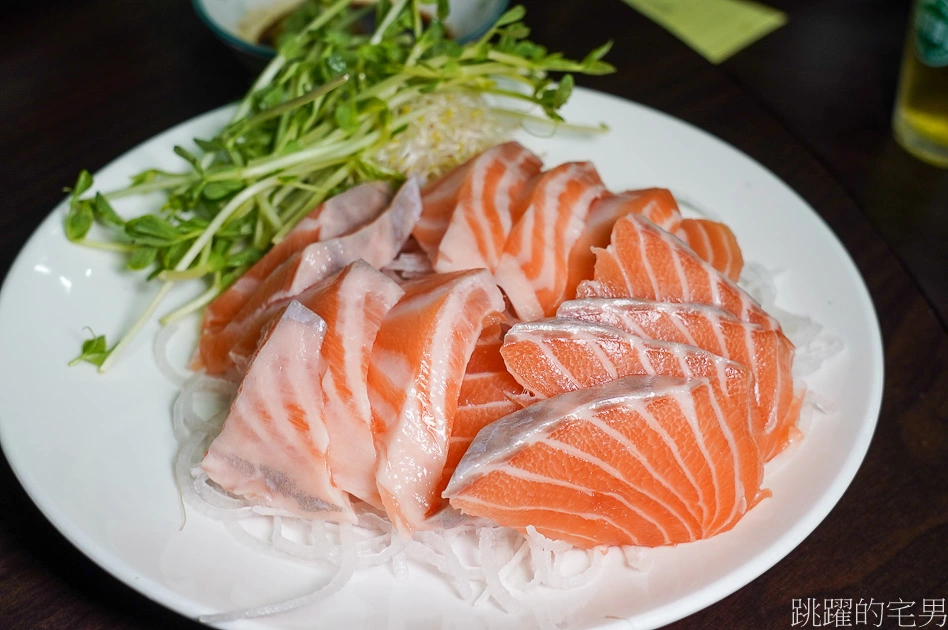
{"points": [[158, 184], [268, 212], [170, 275], [387, 21], [327, 14], [553, 124], [124, 248], [299, 101], [192, 306]]}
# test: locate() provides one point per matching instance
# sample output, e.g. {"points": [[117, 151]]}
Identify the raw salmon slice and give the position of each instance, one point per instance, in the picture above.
{"points": [[335, 217], [484, 210], [655, 204], [612, 465], [377, 243], [414, 381], [273, 446], [439, 199], [487, 393], [768, 353], [713, 242], [552, 356], [352, 303], [534, 268], [645, 262]]}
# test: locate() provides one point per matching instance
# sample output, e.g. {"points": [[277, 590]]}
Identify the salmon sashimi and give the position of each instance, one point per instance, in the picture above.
{"points": [[613, 465], [273, 447], [352, 303], [768, 353], [488, 392], [552, 356], [377, 243], [713, 242], [645, 262], [439, 199], [485, 208], [534, 269], [414, 381], [655, 204], [335, 217]]}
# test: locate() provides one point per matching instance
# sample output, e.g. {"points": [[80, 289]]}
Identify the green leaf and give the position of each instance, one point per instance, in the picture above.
{"points": [[563, 91], [83, 183], [510, 16], [79, 220], [246, 257], [218, 190], [148, 176], [94, 350], [210, 146], [345, 116], [189, 157], [444, 9], [169, 257], [599, 68], [519, 30], [597, 53], [151, 230], [104, 213], [142, 258]]}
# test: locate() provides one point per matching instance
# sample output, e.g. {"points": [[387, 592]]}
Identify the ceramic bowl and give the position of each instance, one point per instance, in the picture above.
{"points": [[239, 23]]}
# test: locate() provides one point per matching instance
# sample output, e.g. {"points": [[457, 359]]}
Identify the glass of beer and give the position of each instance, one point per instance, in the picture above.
{"points": [[920, 120]]}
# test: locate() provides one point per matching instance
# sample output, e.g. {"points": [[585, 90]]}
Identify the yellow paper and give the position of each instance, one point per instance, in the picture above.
{"points": [[716, 29]]}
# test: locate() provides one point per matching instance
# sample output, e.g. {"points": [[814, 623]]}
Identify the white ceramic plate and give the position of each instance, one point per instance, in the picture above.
{"points": [[95, 451]]}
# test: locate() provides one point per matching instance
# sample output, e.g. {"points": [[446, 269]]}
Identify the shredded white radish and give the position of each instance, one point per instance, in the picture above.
{"points": [[344, 571], [814, 345], [160, 350]]}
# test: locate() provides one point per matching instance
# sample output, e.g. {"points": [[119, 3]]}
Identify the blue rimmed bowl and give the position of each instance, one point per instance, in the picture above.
{"points": [[239, 23]]}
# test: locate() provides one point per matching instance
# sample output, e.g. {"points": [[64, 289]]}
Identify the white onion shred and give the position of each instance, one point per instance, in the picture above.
{"points": [[160, 350], [814, 345]]}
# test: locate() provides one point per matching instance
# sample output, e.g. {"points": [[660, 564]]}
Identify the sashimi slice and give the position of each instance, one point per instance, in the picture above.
{"points": [[488, 392], [715, 243], [414, 380], [439, 199], [602, 466], [334, 217], [485, 208], [645, 262], [273, 445], [655, 204], [534, 269], [768, 353], [352, 303], [377, 243], [552, 356]]}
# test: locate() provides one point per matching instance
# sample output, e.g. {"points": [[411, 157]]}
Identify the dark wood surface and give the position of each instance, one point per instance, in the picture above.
{"points": [[85, 81]]}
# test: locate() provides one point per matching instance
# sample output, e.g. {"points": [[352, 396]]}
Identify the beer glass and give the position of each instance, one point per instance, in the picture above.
{"points": [[920, 120]]}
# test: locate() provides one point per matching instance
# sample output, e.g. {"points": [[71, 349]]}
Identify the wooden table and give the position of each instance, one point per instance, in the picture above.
{"points": [[84, 81]]}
